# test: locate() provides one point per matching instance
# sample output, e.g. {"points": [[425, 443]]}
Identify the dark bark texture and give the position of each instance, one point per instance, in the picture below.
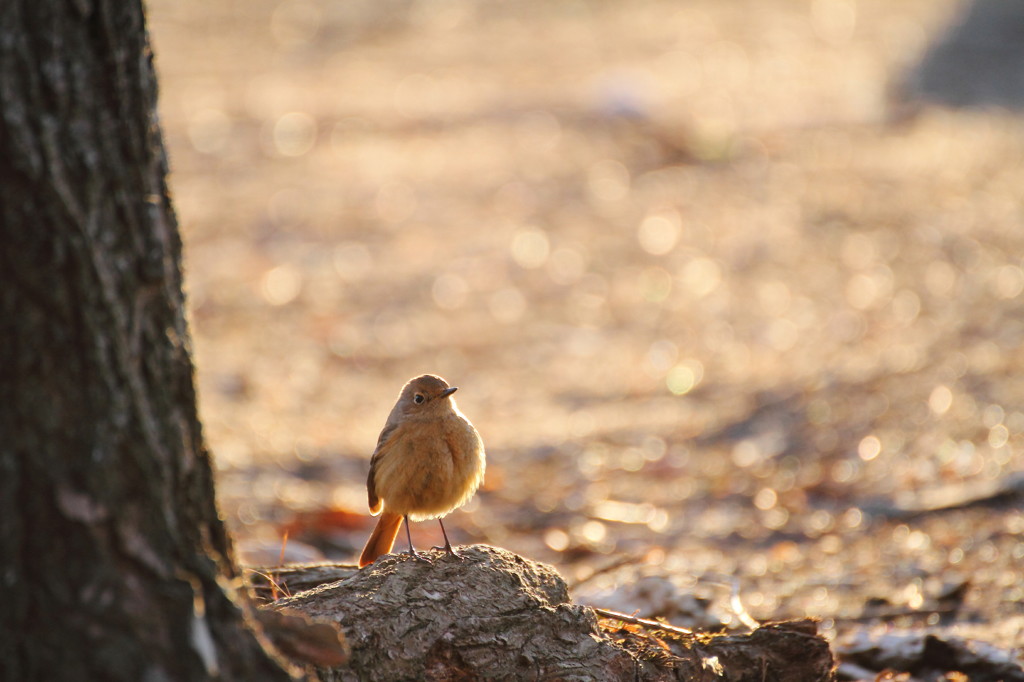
{"points": [[114, 564], [498, 616]]}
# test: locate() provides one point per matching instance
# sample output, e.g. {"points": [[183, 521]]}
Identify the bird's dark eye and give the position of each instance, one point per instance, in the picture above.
{"points": [[418, 398]]}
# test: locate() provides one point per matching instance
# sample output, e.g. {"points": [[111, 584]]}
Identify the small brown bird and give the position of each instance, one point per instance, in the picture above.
{"points": [[428, 462]]}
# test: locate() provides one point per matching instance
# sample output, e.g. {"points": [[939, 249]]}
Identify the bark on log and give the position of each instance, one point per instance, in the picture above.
{"points": [[496, 615]]}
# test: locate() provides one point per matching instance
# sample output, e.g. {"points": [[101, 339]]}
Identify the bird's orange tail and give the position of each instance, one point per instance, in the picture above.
{"points": [[382, 539]]}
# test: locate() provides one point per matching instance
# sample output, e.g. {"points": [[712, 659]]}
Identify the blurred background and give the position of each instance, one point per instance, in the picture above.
{"points": [[732, 290]]}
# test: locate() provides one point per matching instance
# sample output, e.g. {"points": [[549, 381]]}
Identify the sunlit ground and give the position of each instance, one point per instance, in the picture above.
{"points": [[720, 303]]}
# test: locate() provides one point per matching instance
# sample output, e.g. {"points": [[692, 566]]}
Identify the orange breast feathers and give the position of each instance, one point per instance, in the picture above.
{"points": [[427, 468]]}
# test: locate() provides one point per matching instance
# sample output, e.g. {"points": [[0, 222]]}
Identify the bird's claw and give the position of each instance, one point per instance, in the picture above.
{"points": [[450, 551], [420, 556]]}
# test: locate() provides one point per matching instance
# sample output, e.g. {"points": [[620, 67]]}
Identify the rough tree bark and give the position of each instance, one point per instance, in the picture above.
{"points": [[114, 564], [498, 616]]}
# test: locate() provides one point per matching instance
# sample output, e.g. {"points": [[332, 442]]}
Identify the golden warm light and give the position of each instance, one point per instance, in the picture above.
{"points": [[722, 287]]}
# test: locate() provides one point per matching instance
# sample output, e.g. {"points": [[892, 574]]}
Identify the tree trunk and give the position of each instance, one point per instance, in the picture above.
{"points": [[114, 563]]}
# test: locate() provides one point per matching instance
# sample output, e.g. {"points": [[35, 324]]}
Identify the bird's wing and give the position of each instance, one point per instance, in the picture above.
{"points": [[382, 448]]}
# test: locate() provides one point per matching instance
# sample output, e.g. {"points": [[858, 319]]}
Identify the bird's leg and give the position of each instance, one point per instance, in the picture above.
{"points": [[412, 550], [447, 545]]}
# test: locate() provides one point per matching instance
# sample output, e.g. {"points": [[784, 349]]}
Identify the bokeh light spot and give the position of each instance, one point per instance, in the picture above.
{"points": [[701, 276], [294, 133], [684, 377], [659, 232], [281, 285], [530, 248], [906, 305], [557, 539], [593, 531], [940, 400], [1008, 282], [998, 436], [869, 448], [765, 499]]}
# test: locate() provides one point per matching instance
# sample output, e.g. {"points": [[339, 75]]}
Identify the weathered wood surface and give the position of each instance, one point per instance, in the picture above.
{"points": [[496, 615]]}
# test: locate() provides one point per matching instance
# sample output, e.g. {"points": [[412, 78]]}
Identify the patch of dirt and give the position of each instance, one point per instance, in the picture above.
{"points": [[722, 308]]}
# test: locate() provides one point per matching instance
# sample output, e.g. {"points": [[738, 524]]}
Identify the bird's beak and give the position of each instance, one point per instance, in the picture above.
{"points": [[448, 391]]}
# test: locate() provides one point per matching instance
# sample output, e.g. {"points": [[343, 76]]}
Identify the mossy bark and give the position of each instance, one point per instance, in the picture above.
{"points": [[114, 563]]}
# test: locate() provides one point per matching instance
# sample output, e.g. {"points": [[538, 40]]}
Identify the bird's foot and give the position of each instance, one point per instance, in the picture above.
{"points": [[420, 556], [450, 551]]}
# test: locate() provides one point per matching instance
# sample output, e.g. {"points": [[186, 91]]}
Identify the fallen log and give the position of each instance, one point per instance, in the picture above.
{"points": [[497, 615]]}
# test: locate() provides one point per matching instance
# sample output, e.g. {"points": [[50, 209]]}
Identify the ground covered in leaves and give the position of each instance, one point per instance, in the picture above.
{"points": [[739, 319]]}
